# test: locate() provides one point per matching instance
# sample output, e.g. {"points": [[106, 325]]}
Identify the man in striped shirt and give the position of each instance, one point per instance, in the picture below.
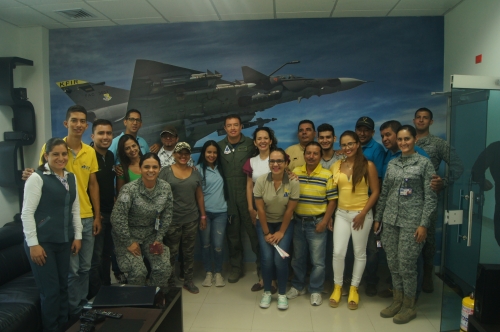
{"points": [[318, 200]]}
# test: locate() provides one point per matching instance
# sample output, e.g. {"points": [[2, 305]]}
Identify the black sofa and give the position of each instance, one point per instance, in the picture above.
{"points": [[19, 296]]}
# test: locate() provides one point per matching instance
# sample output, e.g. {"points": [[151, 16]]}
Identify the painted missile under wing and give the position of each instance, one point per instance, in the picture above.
{"points": [[195, 102]]}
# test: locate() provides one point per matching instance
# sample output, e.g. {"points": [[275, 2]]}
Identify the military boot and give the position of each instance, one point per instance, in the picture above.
{"points": [[395, 307], [407, 312], [427, 285]]}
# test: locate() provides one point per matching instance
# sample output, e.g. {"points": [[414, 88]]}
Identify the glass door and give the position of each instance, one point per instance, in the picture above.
{"points": [[469, 207]]}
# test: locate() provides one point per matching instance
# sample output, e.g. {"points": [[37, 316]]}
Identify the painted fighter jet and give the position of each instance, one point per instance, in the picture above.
{"points": [[195, 102]]}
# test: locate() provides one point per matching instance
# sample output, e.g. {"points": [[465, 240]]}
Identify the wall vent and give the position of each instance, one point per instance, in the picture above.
{"points": [[76, 14]]}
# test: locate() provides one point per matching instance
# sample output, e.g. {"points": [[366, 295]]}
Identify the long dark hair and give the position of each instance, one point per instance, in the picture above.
{"points": [[272, 137], [360, 167], [124, 159], [49, 146], [203, 162]]}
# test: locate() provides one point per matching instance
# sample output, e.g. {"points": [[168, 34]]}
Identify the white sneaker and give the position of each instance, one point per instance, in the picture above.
{"points": [[316, 299], [293, 293], [265, 301], [208, 280], [219, 280], [282, 302]]}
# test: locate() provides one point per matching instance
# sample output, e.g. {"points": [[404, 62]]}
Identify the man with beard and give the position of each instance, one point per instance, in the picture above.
{"points": [[169, 139], [102, 135]]}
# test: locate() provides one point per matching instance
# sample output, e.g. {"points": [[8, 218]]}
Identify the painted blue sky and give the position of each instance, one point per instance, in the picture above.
{"points": [[402, 57]]}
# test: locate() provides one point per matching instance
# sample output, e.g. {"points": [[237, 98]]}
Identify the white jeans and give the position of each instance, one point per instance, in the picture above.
{"points": [[342, 231]]}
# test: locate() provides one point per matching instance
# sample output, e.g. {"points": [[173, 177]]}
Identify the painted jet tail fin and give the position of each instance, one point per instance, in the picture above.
{"points": [[253, 76], [93, 96]]}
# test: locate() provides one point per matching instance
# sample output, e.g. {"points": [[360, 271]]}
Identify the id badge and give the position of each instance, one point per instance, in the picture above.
{"points": [[405, 191], [379, 244], [157, 221]]}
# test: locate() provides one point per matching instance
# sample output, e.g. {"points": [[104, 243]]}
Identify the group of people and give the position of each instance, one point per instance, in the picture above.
{"points": [[306, 203]]}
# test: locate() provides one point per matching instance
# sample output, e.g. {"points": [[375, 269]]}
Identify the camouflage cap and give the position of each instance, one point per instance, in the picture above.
{"points": [[181, 146], [170, 130]]}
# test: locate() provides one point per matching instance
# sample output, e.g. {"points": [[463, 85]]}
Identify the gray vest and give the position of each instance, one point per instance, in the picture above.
{"points": [[53, 216]]}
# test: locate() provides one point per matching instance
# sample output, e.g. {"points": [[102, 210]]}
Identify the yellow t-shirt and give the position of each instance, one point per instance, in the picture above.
{"points": [[348, 200], [84, 164]]}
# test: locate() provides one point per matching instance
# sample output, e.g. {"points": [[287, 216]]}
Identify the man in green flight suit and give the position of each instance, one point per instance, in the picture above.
{"points": [[236, 149]]}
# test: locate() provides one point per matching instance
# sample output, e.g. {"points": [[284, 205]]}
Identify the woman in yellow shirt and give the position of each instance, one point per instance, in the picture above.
{"points": [[354, 176]]}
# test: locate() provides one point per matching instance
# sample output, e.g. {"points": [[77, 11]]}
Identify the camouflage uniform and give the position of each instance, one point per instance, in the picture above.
{"points": [[237, 207], [133, 220], [402, 215], [438, 149]]}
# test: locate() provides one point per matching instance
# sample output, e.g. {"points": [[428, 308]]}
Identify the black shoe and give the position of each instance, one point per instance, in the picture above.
{"points": [[371, 290]]}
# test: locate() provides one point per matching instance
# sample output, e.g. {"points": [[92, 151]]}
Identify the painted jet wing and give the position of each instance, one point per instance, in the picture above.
{"points": [[100, 101]]}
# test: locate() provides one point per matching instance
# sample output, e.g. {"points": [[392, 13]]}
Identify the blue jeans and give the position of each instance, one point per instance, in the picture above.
{"points": [[270, 259], [307, 241], [213, 236], [79, 267], [101, 257]]}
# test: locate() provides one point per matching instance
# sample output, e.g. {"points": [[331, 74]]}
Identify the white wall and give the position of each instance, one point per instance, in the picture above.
{"points": [[32, 44], [471, 29]]}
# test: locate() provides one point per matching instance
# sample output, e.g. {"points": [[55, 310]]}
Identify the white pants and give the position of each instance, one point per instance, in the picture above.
{"points": [[342, 231]]}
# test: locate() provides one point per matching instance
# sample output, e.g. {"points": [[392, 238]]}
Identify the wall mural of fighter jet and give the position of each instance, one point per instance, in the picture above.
{"points": [[195, 102]]}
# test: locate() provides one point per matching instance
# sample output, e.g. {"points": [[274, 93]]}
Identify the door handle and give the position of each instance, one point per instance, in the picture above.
{"points": [[471, 212]]}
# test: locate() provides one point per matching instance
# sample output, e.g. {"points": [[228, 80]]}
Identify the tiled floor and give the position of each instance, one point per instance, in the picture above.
{"points": [[235, 308]]}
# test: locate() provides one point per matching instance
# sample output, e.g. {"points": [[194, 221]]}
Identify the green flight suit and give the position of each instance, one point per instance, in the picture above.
{"points": [[233, 159]]}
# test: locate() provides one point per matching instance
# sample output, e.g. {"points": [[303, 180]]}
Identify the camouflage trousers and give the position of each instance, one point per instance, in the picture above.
{"points": [[134, 268], [183, 234], [402, 253], [429, 249]]}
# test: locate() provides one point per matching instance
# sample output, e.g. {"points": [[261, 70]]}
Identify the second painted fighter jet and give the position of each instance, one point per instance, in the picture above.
{"points": [[195, 102]]}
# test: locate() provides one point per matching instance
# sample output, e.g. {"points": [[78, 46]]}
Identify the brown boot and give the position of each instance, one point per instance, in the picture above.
{"points": [[395, 306], [427, 285], [407, 312]]}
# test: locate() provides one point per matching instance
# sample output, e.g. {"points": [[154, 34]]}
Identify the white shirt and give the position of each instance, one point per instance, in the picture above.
{"points": [[259, 167], [32, 194]]}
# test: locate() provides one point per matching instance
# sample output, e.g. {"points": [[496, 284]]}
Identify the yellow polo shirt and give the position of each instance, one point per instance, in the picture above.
{"points": [[316, 190], [296, 153], [84, 164]]}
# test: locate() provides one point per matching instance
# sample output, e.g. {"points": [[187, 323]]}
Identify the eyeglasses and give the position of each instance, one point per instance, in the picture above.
{"points": [[168, 136], [134, 120], [347, 145], [277, 161]]}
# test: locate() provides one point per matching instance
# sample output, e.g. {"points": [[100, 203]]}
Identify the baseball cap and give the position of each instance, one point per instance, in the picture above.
{"points": [[366, 122], [181, 146], [170, 130]]}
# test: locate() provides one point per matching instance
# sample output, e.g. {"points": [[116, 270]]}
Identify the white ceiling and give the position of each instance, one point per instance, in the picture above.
{"points": [[29, 13]]}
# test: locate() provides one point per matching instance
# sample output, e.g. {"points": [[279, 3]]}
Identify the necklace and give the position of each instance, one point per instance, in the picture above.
{"points": [[347, 165]]}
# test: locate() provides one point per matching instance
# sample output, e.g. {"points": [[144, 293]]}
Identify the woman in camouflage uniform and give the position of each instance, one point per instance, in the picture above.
{"points": [[405, 206], [140, 218]]}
